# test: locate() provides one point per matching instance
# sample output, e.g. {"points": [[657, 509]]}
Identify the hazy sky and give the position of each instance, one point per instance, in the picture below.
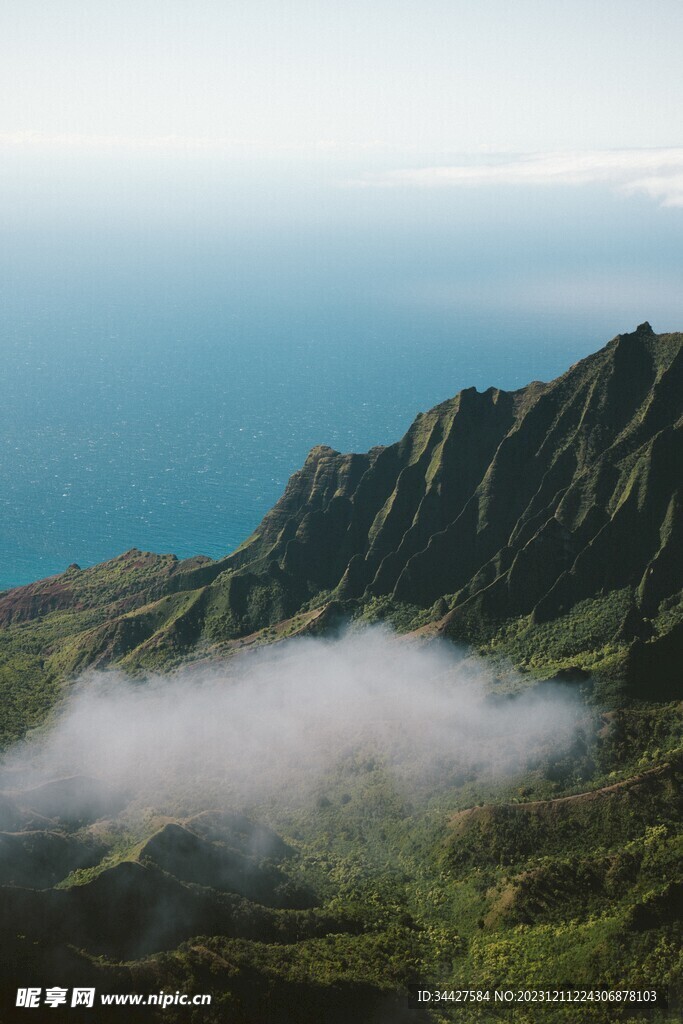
{"points": [[422, 79], [269, 197], [251, 118]]}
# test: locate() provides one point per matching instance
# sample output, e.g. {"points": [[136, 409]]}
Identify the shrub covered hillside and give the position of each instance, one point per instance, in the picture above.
{"points": [[544, 524], [540, 528]]}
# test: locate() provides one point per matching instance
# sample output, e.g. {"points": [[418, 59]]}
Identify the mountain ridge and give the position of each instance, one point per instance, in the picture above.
{"points": [[540, 527], [497, 515]]}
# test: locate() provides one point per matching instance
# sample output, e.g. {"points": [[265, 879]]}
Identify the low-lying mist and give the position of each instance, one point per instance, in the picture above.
{"points": [[270, 724]]}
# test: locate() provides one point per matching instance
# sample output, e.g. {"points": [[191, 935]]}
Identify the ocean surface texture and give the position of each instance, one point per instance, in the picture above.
{"points": [[163, 380], [182, 444]]}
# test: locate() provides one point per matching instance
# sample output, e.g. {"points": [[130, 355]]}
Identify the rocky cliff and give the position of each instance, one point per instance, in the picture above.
{"points": [[544, 522]]}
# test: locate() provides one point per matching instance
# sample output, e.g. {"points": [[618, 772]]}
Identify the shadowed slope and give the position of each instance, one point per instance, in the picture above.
{"points": [[496, 516]]}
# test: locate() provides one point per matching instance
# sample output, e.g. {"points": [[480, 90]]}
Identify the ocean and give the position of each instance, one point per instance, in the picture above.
{"points": [[163, 380]]}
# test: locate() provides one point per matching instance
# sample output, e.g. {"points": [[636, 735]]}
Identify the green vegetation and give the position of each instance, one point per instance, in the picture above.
{"points": [[535, 880], [541, 528]]}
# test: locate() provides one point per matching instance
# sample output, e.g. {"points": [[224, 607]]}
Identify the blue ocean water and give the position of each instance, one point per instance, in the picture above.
{"points": [[161, 385]]}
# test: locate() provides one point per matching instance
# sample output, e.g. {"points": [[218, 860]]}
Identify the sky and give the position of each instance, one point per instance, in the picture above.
{"points": [[322, 126], [331, 123], [355, 207], [395, 80]]}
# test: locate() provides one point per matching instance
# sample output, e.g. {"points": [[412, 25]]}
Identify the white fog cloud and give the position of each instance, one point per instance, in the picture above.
{"points": [[275, 721], [656, 172]]}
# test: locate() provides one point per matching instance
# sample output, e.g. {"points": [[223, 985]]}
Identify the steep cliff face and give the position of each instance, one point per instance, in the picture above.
{"points": [[493, 509], [503, 505]]}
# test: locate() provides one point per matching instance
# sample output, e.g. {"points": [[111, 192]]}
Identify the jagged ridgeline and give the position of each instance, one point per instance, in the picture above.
{"points": [[543, 523]]}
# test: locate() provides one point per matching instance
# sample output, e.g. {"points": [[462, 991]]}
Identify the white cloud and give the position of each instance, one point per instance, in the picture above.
{"points": [[668, 189], [84, 142], [656, 172], [274, 722]]}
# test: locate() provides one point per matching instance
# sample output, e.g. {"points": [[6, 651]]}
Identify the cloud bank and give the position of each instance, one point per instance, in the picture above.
{"points": [[658, 173], [273, 724]]}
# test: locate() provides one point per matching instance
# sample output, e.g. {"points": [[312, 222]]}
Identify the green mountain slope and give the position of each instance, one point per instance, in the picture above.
{"points": [[544, 528], [543, 524]]}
